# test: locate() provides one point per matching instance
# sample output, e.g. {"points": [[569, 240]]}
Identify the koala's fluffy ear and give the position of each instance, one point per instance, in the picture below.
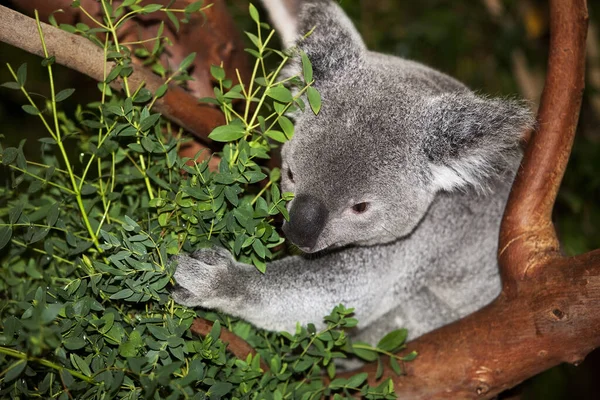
{"points": [[469, 138], [332, 46]]}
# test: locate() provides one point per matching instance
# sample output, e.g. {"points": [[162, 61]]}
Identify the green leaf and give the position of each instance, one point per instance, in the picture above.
{"points": [[364, 353], [150, 8], [149, 122], [173, 19], [112, 75], [130, 348], [160, 92], [22, 74], [15, 370], [122, 294], [5, 235], [227, 133], [357, 380], [67, 378], [9, 155], [80, 364], [219, 390], [338, 383], [410, 356], [142, 96], [29, 109], [395, 366], [393, 340], [277, 136], [130, 225], [15, 213], [287, 126], [50, 313], [193, 7], [74, 343], [187, 61], [217, 72], [259, 248], [158, 332], [314, 99], [148, 144], [11, 85], [254, 13], [274, 176], [256, 42], [215, 331], [46, 62], [379, 371], [280, 93], [136, 364], [307, 70], [88, 189], [64, 94]]}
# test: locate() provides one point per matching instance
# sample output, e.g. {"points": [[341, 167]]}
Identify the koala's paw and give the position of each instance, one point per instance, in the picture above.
{"points": [[200, 277]]}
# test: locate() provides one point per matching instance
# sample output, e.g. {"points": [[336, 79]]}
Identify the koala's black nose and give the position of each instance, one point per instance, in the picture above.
{"points": [[307, 219]]}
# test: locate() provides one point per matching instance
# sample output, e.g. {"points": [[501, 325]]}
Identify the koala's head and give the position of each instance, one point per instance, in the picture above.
{"points": [[391, 134]]}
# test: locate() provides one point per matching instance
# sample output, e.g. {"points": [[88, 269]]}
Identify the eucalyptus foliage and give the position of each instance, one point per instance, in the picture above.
{"points": [[85, 241]]}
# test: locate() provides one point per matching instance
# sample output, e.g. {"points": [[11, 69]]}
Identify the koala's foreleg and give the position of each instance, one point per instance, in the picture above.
{"points": [[294, 289]]}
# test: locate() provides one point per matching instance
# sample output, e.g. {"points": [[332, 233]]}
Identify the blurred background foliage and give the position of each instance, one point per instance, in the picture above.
{"points": [[497, 47]]}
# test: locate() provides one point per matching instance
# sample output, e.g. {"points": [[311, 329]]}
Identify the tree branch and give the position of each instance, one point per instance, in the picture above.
{"points": [[527, 236]]}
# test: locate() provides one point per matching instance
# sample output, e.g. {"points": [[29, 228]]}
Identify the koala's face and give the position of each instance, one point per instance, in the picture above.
{"points": [[391, 134], [356, 168]]}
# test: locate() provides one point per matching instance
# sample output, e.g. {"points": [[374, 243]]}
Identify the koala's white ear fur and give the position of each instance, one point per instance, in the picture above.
{"points": [[470, 138], [333, 45], [285, 20]]}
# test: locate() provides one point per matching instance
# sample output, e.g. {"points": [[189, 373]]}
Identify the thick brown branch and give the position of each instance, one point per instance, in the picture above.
{"points": [[80, 54], [527, 237]]}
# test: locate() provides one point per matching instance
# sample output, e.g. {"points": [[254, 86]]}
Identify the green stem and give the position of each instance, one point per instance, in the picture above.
{"points": [[297, 96], [48, 128], [46, 226], [66, 189], [387, 353], [92, 18], [113, 31], [262, 191], [18, 243], [84, 215], [46, 363]]}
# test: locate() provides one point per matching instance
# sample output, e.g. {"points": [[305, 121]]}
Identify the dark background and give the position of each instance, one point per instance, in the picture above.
{"points": [[497, 47]]}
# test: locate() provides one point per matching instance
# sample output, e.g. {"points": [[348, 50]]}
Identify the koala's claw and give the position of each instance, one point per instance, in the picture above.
{"points": [[200, 275]]}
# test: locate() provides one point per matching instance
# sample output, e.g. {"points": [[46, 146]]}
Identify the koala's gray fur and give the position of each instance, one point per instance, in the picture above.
{"points": [[434, 162]]}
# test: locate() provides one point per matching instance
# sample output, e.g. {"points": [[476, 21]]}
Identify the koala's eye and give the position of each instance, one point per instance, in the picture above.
{"points": [[290, 175], [360, 207]]}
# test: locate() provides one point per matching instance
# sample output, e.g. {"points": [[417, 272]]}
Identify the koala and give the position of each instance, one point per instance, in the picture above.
{"points": [[400, 183]]}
